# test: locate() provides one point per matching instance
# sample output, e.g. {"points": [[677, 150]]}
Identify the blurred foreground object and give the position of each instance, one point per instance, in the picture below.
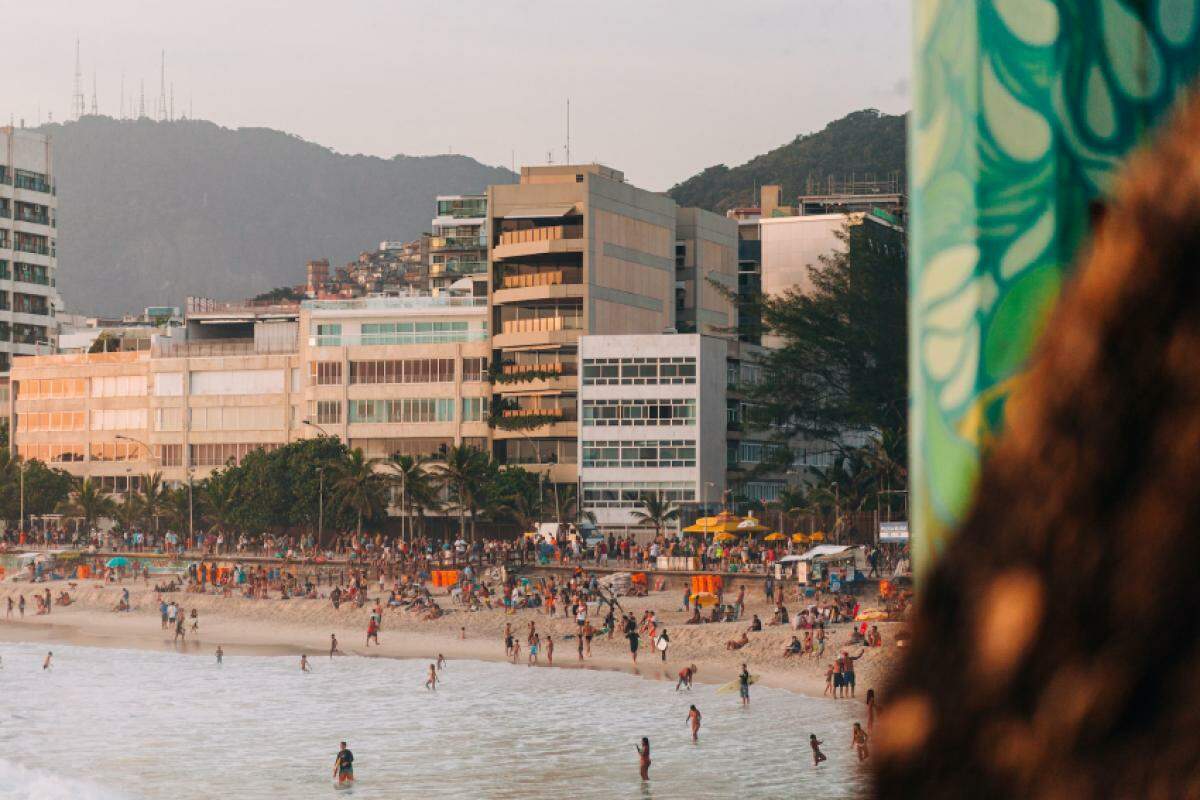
{"points": [[1055, 649], [1023, 110]]}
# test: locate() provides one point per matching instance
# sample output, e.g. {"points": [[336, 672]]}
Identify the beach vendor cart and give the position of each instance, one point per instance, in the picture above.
{"points": [[840, 563]]}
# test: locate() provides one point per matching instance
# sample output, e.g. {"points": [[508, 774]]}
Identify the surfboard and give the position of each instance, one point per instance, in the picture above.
{"points": [[660, 643], [732, 686]]}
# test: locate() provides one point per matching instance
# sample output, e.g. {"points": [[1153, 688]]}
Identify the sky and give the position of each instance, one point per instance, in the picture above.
{"points": [[659, 89]]}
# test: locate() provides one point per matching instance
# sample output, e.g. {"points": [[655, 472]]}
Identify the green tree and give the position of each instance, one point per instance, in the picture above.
{"points": [[152, 498], [417, 486], [464, 472], [656, 512], [45, 488], [89, 503], [218, 500], [359, 488]]}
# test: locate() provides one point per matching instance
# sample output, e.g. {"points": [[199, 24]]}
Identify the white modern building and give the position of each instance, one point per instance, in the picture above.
{"points": [[652, 421], [28, 211]]}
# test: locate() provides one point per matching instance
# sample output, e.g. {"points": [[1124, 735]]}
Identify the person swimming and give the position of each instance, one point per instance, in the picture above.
{"points": [[343, 765]]}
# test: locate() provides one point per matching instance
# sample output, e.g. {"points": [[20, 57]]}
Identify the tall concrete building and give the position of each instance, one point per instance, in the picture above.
{"points": [[574, 251], [28, 221], [458, 247], [706, 247]]}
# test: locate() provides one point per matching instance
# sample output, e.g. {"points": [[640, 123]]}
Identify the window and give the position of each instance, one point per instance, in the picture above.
{"points": [[118, 419], [639, 371], [412, 370], [169, 455], [119, 386], [118, 451], [329, 334], [630, 494], [168, 384], [238, 382], [672, 411], [51, 421], [651, 453], [168, 419], [325, 412], [402, 410], [52, 388], [472, 409], [52, 453], [325, 373], [237, 418], [215, 455], [474, 369]]}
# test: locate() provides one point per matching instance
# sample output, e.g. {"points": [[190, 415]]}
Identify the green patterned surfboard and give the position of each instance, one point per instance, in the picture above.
{"points": [[1022, 111]]}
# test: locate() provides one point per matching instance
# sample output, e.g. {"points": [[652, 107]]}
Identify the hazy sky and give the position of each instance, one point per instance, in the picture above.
{"points": [[658, 89]]}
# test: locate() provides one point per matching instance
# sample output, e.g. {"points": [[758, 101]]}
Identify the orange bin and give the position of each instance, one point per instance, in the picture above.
{"points": [[83, 572]]}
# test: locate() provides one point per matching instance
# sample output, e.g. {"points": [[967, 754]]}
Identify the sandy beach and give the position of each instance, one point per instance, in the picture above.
{"points": [[278, 627]]}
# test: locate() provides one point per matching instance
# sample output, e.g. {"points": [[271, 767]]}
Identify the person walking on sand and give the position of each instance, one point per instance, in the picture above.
{"points": [[693, 719], [744, 685], [220, 655], [180, 632], [10, 608], [632, 635], [333, 646], [49, 657], [21, 606], [195, 616], [815, 744], [858, 740], [663, 642], [549, 650], [533, 650], [685, 677], [304, 663], [372, 631], [432, 681], [508, 639], [644, 758], [343, 765]]}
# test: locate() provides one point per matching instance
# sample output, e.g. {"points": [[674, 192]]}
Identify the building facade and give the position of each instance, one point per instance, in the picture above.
{"points": [[28, 244], [459, 244]]}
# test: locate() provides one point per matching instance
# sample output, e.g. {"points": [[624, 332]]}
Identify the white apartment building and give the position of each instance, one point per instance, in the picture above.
{"points": [[652, 421], [28, 220]]}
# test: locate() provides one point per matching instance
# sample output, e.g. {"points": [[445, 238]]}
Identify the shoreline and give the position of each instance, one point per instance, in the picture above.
{"points": [[291, 627]]}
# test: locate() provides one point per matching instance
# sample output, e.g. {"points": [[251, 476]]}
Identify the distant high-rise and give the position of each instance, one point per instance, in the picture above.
{"points": [[28, 207]]}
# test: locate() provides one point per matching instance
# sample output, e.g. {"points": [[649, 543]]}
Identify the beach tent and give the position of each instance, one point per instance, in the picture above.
{"points": [[118, 561]]}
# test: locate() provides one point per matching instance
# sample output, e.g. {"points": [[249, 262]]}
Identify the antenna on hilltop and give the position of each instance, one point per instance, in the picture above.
{"points": [[77, 106], [121, 111], [142, 99], [172, 114], [95, 107], [162, 87], [568, 148]]}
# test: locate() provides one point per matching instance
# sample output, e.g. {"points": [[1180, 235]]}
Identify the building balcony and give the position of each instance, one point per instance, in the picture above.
{"points": [[439, 244], [458, 267], [537, 241], [548, 428]]}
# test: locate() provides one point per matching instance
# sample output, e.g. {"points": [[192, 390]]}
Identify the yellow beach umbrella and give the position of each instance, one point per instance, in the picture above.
{"points": [[817, 537], [704, 598], [775, 537], [799, 538], [724, 537], [721, 523], [751, 525]]}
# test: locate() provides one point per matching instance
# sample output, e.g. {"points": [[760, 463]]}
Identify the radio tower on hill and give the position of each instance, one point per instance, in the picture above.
{"points": [[162, 87], [77, 105]]}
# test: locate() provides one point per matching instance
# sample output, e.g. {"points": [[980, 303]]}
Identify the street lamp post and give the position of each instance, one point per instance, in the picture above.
{"points": [[153, 459], [191, 515], [21, 472], [320, 486]]}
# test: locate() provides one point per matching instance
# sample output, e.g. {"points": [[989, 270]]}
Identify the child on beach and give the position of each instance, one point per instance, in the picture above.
{"points": [[693, 719], [432, 681], [304, 662], [858, 740], [685, 677], [550, 650], [815, 744], [441, 661]]}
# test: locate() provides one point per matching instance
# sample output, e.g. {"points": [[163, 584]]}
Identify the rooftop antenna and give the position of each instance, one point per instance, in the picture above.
{"points": [[121, 112], [95, 107], [568, 130], [142, 99], [190, 114], [162, 87], [77, 107], [172, 114]]}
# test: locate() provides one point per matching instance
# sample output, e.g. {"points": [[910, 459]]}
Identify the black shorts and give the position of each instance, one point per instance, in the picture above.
{"points": [[848, 679], [837, 680]]}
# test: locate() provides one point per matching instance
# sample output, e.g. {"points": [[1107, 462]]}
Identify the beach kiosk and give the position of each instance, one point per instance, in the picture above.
{"points": [[843, 562]]}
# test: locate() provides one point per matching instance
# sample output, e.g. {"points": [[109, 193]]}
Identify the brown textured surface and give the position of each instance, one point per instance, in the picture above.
{"points": [[1054, 651]]}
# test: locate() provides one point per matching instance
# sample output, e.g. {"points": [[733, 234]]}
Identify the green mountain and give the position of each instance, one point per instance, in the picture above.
{"points": [[150, 212], [861, 144]]}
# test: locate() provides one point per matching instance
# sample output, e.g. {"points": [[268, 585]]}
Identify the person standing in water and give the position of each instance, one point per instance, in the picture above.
{"points": [[333, 648], [744, 685], [693, 719], [49, 658], [220, 655], [644, 758], [685, 677], [815, 744], [432, 681], [304, 662], [441, 661], [858, 740], [343, 765]]}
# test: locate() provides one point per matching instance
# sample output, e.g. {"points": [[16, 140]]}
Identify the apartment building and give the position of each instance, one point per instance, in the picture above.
{"points": [[397, 375], [458, 247], [706, 278], [651, 422], [574, 251], [28, 261]]}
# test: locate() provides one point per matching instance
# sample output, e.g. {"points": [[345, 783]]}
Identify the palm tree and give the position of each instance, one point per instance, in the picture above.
{"points": [[128, 513], [152, 497], [360, 486], [656, 512], [463, 472], [218, 499], [89, 503], [416, 485], [524, 507], [175, 508]]}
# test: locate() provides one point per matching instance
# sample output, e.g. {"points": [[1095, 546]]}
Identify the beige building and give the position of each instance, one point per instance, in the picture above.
{"points": [[574, 250], [706, 247], [397, 375]]}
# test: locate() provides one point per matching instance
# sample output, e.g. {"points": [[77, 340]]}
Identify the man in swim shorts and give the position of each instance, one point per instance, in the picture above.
{"points": [[343, 765]]}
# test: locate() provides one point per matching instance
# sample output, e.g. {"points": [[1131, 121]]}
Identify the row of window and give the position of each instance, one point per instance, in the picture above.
{"points": [[52, 388], [329, 334], [652, 453], [639, 371], [52, 421], [619, 494], [215, 455], [404, 409], [329, 412], [403, 370], [674, 411], [753, 452]]}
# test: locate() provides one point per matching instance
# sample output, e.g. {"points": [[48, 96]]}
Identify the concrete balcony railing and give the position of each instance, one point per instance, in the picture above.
{"points": [[541, 324], [547, 234]]}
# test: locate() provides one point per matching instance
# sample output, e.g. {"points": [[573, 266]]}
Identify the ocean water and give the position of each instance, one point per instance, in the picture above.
{"points": [[107, 724]]}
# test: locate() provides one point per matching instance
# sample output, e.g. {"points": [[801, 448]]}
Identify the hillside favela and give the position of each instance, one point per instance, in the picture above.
{"points": [[605, 401]]}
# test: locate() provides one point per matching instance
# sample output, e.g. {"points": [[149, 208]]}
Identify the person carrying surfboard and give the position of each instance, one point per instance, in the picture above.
{"points": [[662, 642], [343, 766]]}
